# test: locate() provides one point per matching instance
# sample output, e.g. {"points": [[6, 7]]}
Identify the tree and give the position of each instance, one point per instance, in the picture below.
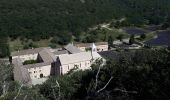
{"points": [[54, 40], [143, 36], [47, 22], [110, 42], [4, 47], [26, 46], [120, 37], [141, 74], [132, 39], [64, 38]]}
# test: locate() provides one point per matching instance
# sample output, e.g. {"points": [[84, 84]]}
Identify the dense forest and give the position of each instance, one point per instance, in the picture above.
{"points": [[138, 75], [41, 19], [63, 21]]}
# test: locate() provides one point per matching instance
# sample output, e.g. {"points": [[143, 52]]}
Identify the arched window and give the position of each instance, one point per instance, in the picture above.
{"points": [[41, 75]]}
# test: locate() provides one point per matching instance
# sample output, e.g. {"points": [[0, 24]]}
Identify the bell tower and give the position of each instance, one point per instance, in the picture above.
{"points": [[93, 47]]}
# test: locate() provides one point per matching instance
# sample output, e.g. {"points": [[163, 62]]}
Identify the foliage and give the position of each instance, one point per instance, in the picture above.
{"points": [[9, 88], [25, 93], [42, 19], [6, 75], [143, 36], [120, 37], [110, 42], [132, 39], [68, 86], [137, 75], [64, 38], [4, 47], [29, 62], [52, 45]]}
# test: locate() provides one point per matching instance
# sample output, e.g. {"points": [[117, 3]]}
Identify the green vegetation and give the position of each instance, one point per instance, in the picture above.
{"points": [[132, 39], [42, 19], [102, 34], [29, 62], [19, 44], [135, 75], [110, 42], [143, 36], [53, 23], [4, 47], [139, 75], [150, 36]]}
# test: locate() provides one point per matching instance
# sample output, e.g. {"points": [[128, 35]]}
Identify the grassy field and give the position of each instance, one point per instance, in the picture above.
{"points": [[19, 44]]}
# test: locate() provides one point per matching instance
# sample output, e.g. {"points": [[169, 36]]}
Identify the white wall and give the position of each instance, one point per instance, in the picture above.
{"points": [[35, 72], [102, 47], [82, 48], [81, 65], [98, 47], [26, 57]]}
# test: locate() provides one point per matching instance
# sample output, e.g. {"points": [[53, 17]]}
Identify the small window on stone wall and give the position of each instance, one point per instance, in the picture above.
{"points": [[41, 75]]}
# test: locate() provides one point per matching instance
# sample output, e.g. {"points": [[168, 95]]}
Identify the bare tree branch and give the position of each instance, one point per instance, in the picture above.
{"points": [[18, 92], [25, 97], [105, 85], [59, 94], [125, 91], [54, 95], [4, 88], [97, 75]]}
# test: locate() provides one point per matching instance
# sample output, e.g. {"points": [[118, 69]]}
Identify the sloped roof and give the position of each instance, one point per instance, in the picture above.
{"points": [[36, 65], [60, 52], [89, 44], [21, 73], [28, 51], [47, 56], [78, 57], [72, 49]]}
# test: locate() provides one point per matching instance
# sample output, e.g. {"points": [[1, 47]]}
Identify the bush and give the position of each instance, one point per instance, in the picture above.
{"points": [[54, 40], [143, 36], [29, 62], [26, 46], [52, 45], [64, 38]]}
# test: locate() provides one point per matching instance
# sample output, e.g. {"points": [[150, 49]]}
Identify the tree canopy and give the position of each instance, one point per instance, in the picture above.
{"points": [[41, 19], [135, 75]]}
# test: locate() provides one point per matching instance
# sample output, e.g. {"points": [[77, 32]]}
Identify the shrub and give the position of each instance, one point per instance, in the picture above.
{"points": [[29, 62]]}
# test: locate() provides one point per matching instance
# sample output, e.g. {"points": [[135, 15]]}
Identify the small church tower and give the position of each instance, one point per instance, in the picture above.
{"points": [[93, 47]]}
